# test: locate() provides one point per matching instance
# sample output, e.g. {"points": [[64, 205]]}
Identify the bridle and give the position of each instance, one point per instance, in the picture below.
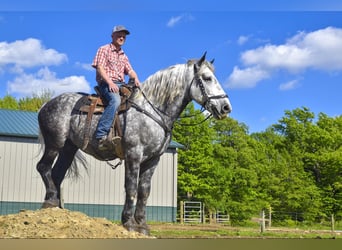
{"points": [[206, 104]]}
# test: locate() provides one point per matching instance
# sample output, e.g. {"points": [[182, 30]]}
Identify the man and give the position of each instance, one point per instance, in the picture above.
{"points": [[111, 64]]}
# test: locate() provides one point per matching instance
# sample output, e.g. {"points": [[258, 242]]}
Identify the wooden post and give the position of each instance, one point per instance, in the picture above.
{"points": [[332, 223], [270, 217], [181, 219], [262, 222], [203, 214]]}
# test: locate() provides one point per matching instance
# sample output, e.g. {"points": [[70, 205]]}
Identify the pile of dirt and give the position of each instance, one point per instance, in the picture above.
{"points": [[56, 223]]}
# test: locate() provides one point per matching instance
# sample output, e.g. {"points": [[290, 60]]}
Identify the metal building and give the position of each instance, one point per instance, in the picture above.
{"points": [[99, 192]]}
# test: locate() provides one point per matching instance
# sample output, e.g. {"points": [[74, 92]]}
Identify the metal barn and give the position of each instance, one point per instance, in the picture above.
{"points": [[99, 192]]}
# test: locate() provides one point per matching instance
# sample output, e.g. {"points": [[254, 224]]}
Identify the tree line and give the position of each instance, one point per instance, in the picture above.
{"points": [[293, 167], [32, 103]]}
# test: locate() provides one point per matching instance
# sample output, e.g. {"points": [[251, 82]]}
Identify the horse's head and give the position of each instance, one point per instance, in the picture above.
{"points": [[206, 90]]}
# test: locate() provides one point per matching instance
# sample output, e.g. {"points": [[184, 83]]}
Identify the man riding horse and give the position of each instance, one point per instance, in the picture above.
{"points": [[111, 64], [147, 131]]}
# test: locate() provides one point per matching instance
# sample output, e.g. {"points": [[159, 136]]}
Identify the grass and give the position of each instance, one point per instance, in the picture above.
{"points": [[174, 231]]}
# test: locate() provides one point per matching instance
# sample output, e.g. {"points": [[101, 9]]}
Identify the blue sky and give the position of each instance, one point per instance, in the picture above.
{"points": [[268, 58]]}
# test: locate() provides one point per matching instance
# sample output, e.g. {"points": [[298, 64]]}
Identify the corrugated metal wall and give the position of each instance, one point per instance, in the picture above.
{"points": [[101, 187]]}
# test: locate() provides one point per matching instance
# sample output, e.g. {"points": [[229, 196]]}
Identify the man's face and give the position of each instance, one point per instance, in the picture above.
{"points": [[119, 38]]}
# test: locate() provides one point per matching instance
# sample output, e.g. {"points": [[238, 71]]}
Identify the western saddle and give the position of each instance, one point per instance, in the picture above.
{"points": [[94, 103]]}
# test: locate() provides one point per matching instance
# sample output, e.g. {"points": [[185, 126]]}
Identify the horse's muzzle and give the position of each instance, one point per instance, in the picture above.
{"points": [[221, 110], [226, 109]]}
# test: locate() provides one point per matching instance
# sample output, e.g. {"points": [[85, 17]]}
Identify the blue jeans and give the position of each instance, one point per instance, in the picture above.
{"points": [[113, 102]]}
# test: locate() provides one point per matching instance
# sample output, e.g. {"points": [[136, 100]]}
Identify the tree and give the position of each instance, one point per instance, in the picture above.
{"points": [[324, 160], [310, 145], [294, 166], [35, 102], [195, 162], [32, 103], [9, 102], [237, 162]]}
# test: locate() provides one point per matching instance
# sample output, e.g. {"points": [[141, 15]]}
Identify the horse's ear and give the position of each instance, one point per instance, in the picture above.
{"points": [[212, 61], [202, 59]]}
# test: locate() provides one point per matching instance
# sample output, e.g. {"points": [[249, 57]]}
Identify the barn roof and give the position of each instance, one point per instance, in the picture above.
{"points": [[174, 144], [19, 123]]}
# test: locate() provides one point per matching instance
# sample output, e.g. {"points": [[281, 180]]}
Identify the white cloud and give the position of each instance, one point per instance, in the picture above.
{"points": [[19, 56], [242, 40], [173, 21], [317, 50], [44, 79], [246, 78], [178, 19], [271, 57], [29, 53], [289, 85], [86, 66]]}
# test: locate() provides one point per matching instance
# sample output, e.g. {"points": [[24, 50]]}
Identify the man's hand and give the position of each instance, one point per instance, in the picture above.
{"points": [[113, 87], [134, 76], [137, 82]]}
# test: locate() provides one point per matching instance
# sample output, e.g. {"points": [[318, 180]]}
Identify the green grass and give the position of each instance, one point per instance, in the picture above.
{"points": [[172, 231]]}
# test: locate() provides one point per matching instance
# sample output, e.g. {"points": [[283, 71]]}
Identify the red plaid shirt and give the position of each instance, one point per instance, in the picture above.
{"points": [[115, 63]]}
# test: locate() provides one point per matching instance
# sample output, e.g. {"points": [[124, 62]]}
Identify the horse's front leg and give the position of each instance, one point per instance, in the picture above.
{"points": [[144, 188], [131, 185]]}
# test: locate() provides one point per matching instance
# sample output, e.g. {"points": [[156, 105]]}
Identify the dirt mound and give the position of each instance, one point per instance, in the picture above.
{"points": [[56, 223]]}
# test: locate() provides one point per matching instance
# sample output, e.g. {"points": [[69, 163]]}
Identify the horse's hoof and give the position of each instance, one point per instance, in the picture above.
{"points": [[130, 227], [50, 203], [143, 229]]}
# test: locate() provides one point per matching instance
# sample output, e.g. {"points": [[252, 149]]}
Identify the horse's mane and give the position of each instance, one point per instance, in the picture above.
{"points": [[166, 84]]}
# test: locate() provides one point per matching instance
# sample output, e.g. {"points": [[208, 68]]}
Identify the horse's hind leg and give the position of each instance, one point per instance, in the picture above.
{"points": [[44, 168], [64, 160], [53, 178]]}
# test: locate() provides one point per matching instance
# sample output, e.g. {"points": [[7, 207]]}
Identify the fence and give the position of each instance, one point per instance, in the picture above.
{"points": [[222, 217], [192, 211]]}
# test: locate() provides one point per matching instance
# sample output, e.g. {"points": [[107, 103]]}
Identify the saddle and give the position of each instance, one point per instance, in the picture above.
{"points": [[94, 103]]}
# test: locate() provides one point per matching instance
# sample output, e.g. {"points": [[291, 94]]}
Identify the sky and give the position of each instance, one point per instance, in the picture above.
{"points": [[268, 58]]}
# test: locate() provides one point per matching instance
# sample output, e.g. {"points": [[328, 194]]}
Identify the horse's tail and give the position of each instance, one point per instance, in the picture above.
{"points": [[73, 171]]}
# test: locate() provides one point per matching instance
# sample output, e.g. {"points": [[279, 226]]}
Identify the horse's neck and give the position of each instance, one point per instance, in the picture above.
{"points": [[168, 91]]}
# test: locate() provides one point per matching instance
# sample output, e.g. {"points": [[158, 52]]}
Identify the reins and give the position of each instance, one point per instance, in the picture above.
{"points": [[159, 112], [190, 116], [140, 109]]}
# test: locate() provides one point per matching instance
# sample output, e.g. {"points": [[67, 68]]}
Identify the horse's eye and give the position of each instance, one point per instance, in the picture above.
{"points": [[207, 78]]}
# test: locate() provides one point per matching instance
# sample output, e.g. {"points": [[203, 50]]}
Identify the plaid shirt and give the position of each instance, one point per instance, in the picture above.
{"points": [[115, 62]]}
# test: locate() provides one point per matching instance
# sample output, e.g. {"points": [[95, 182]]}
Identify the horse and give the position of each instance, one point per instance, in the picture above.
{"points": [[147, 130]]}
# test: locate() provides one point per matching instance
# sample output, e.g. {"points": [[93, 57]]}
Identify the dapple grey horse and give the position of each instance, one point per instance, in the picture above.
{"points": [[146, 126]]}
